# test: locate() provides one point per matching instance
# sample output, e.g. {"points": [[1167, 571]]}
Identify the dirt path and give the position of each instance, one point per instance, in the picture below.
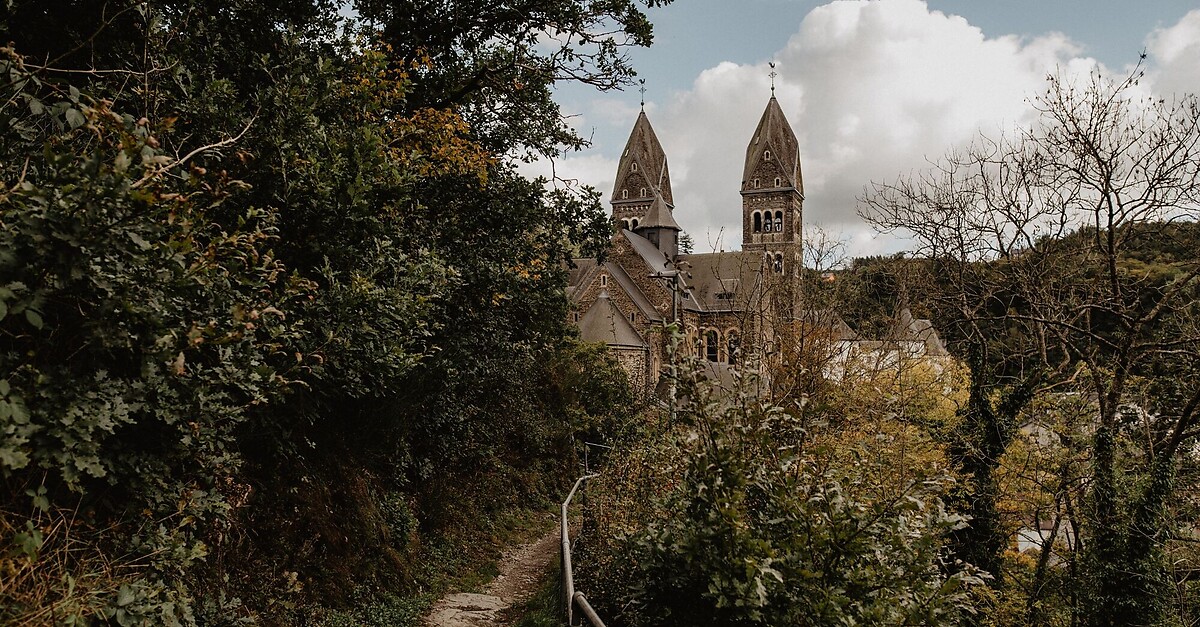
{"points": [[520, 568]]}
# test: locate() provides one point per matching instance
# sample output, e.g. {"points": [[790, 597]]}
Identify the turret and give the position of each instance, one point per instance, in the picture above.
{"points": [[660, 228]]}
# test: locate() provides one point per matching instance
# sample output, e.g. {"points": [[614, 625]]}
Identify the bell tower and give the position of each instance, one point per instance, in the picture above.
{"points": [[773, 194], [642, 176], [773, 209]]}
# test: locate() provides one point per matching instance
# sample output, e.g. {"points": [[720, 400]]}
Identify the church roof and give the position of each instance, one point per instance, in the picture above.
{"points": [[828, 319], [774, 136], [635, 294], [649, 253], [659, 216], [643, 165], [727, 281], [603, 322]]}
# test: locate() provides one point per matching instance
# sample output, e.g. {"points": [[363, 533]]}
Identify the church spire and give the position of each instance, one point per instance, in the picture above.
{"points": [[642, 171], [773, 155]]}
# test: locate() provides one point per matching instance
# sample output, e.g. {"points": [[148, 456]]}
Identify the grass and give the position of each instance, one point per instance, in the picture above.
{"points": [[545, 607]]}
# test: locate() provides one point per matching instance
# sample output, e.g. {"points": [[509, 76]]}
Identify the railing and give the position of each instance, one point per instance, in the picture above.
{"points": [[573, 597]]}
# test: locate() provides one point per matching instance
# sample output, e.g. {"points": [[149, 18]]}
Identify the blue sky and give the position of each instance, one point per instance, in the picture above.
{"points": [[872, 88]]}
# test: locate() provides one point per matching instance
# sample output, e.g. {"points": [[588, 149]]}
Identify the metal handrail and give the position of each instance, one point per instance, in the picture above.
{"points": [[572, 597]]}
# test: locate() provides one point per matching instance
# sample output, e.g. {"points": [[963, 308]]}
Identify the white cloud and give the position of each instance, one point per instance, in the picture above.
{"points": [[873, 89], [1175, 54]]}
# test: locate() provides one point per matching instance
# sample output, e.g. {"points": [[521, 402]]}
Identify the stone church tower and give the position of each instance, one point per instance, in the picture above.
{"points": [[642, 176], [773, 203]]}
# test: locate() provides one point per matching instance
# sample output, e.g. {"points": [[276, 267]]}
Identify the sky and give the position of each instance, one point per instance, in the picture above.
{"points": [[874, 89]]}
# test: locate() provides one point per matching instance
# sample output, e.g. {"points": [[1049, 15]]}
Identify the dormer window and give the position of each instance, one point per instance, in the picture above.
{"points": [[767, 155]]}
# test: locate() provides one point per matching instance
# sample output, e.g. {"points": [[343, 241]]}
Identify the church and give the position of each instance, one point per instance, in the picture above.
{"points": [[729, 304]]}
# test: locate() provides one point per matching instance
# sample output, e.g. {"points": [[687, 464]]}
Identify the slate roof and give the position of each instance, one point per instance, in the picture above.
{"points": [[828, 319], [714, 275], [659, 216], [603, 322], [644, 149], [774, 134]]}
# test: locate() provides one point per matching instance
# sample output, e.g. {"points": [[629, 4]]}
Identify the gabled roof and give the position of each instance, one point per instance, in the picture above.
{"points": [[919, 330], [828, 319], [774, 135], [643, 150], [724, 281], [603, 322], [649, 253]]}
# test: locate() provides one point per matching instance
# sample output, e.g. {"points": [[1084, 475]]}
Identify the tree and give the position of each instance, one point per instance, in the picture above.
{"points": [[1034, 236]]}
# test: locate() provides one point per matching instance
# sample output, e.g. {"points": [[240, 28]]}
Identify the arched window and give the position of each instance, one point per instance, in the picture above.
{"points": [[624, 193], [757, 222], [755, 183], [778, 182], [642, 192], [732, 347], [633, 224], [711, 345], [767, 155], [625, 223], [778, 221], [767, 222], [634, 166], [778, 264]]}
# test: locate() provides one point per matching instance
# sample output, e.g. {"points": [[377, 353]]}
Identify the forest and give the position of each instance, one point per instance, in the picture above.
{"points": [[284, 340]]}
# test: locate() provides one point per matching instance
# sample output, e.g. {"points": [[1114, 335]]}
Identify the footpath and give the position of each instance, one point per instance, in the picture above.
{"points": [[521, 569]]}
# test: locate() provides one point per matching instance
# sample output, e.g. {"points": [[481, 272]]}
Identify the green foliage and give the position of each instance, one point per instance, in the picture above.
{"points": [[752, 528], [272, 290]]}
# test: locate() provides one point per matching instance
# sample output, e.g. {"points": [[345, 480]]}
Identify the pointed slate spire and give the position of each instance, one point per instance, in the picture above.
{"points": [[642, 170], [774, 152]]}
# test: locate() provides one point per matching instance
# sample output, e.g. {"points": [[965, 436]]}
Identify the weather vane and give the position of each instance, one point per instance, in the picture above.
{"points": [[643, 90], [773, 74]]}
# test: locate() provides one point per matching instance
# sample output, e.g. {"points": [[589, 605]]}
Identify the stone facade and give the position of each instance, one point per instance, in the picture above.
{"points": [[733, 307], [728, 303]]}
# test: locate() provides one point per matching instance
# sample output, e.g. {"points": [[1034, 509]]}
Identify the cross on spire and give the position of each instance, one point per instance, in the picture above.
{"points": [[773, 74], [643, 90]]}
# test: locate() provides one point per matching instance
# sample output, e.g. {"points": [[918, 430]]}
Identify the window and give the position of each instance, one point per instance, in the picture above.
{"points": [[757, 222], [725, 296], [767, 155], [755, 183], [633, 317], [624, 193], [634, 166], [778, 264], [711, 345], [642, 192], [603, 280], [625, 223], [778, 182], [732, 346], [633, 224], [575, 316], [778, 221]]}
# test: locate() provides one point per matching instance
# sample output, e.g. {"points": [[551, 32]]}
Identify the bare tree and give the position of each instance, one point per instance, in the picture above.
{"points": [[1033, 238]]}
